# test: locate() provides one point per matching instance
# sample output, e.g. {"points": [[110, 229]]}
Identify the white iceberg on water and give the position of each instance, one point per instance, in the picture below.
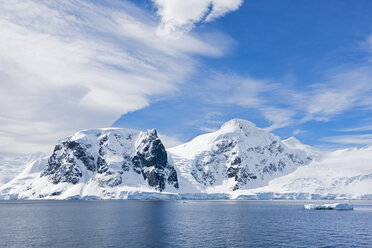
{"points": [[333, 206]]}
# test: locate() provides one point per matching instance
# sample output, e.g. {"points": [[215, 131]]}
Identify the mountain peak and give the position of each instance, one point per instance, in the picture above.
{"points": [[152, 132], [292, 141], [239, 124], [244, 127]]}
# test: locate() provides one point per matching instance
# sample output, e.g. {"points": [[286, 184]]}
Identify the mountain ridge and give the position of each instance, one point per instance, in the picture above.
{"points": [[238, 161]]}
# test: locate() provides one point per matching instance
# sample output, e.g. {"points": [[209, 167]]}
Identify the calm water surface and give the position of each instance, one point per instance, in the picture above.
{"points": [[181, 224]]}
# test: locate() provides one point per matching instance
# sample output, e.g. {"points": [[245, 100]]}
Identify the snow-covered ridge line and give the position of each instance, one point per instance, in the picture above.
{"points": [[238, 161]]}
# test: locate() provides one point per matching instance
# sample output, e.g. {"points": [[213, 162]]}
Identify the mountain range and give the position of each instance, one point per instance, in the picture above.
{"points": [[238, 161]]}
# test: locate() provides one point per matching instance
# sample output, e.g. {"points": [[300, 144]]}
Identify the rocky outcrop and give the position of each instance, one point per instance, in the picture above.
{"points": [[63, 164], [152, 162], [105, 156]]}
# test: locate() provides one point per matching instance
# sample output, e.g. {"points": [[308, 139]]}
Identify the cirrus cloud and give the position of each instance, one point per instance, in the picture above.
{"points": [[71, 65]]}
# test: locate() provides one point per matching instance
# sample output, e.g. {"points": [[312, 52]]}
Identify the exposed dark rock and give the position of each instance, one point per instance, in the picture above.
{"points": [[172, 178], [236, 161], [155, 179], [110, 179], [63, 167], [80, 152], [242, 176], [232, 171], [125, 166], [151, 161], [103, 140], [102, 166]]}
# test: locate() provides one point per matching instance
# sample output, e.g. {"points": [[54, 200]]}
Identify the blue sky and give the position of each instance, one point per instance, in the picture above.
{"points": [[301, 68], [297, 45]]}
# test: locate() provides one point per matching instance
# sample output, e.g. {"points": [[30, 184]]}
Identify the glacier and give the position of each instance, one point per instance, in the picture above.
{"points": [[239, 161]]}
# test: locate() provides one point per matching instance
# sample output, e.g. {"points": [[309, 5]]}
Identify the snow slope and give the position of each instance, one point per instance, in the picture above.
{"points": [[341, 174], [312, 152], [10, 167]]}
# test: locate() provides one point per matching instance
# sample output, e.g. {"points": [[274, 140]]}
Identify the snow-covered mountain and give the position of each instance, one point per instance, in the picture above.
{"points": [[97, 163], [239, 161], [237, 156]]}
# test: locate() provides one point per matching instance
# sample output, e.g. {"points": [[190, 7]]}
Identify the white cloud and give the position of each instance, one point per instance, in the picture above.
{"points": [[180, 16], [170, 141], [208, 129], [361, 139], [346, 88], [71, 65], [249, 92], [356, 129], [343, 89], [211, 115], [279, 117], [234, 89], [298, 131]]}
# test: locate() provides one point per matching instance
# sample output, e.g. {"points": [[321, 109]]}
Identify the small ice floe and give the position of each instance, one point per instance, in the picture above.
{"points": [[333, 206]]}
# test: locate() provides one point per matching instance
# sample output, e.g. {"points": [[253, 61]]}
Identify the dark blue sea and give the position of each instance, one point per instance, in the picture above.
{"points": [[181, 224]]}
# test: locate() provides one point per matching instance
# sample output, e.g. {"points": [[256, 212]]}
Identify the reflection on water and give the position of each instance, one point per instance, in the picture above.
{"points": [[181, 224]]}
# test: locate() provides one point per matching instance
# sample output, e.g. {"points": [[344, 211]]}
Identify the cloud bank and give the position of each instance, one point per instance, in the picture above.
{"points": [[71, 65]]}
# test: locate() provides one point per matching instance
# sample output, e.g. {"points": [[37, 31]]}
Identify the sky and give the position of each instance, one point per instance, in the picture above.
{"points": [[296, 68]]}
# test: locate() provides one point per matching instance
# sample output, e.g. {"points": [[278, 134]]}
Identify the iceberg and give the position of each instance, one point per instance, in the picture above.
{"points": [[333, 206]]}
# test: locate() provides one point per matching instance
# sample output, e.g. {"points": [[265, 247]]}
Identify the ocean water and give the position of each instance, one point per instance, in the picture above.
{"points": [[181, 224]]}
